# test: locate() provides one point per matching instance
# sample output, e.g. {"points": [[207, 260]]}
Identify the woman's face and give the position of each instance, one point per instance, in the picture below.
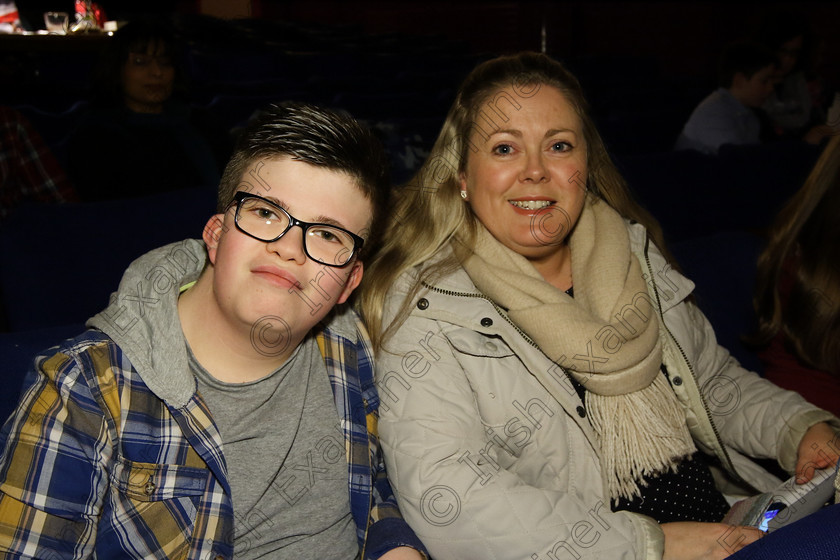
{"points": [[148, 77], [525, 175], [788, 55]]}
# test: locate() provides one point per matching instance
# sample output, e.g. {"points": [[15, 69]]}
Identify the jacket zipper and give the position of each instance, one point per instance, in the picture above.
{"points": [[498, 309], [730, 466]]}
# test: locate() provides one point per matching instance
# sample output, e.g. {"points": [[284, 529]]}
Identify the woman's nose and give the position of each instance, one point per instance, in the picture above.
{"points": [[534, 169]]}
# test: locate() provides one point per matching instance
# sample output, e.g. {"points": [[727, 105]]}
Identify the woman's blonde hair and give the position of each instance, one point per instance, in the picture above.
{"points": [[806, 236], [428, 211]]}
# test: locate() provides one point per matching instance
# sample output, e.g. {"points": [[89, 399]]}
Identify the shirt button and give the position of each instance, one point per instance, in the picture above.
{"points": [[490, 346], [487, 322], [677, 381], [581, 412], [422, 303]]}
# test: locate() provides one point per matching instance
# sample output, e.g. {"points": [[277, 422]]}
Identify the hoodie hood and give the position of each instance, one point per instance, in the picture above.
{"points": [[142, 318]]}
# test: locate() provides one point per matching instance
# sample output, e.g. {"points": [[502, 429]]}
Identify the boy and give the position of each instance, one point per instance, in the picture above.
{"points": [[727, 115], [222, 402]]}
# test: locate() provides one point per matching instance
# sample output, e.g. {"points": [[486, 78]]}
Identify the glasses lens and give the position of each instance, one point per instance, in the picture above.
{"points": [[325, 244], [329, 245], [261, 219]]}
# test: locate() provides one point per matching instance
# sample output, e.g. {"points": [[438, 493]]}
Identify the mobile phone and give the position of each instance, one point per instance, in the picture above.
{"points": [[771, 512]]}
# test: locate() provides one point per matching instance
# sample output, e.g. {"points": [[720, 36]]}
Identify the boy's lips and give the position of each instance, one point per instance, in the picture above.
{"points": [[277, 276]]}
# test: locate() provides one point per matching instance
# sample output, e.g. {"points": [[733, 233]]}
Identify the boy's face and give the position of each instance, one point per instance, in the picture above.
{"points": [[255, 281], [753, 91]]}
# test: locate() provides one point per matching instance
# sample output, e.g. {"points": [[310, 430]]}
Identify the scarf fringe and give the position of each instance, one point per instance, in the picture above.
{"points": [[641, 433]]}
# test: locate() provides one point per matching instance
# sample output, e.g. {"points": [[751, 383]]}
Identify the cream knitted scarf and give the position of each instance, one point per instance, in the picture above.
{"points": [[606, 337]]}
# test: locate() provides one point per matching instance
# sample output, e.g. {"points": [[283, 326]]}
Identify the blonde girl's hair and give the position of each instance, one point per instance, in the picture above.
{"points": [[805, 239], [428, 211]]}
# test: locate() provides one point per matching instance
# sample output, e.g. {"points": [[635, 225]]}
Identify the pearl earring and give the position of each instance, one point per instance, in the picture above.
{"points": [[464, 195]]}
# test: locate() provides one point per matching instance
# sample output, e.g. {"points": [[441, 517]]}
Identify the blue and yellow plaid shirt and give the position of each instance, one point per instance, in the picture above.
{"points": [[95, 464]]}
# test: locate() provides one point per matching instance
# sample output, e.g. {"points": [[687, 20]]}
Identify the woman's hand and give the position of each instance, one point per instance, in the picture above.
{"points": [[817, 450], [688, 540]]}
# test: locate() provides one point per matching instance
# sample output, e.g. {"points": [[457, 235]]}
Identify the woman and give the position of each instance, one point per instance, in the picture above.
{"points": [[139, 137], [797, 299], [791, 105], [540, 366]]}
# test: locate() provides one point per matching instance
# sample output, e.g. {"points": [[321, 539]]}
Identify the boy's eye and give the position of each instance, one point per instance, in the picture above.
{"points": [[325, 235], [265, 213]]}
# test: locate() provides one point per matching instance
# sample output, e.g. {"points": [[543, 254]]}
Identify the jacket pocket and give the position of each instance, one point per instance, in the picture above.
{"points": [[495, 373], [476, 344], [156, 506]]}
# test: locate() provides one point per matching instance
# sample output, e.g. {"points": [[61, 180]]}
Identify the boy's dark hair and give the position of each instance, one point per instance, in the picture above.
{"points": [[318, 136], [746, 57]]}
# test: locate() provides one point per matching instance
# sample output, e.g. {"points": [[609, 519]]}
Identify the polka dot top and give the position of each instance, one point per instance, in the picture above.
{"points": [[686, 494]]}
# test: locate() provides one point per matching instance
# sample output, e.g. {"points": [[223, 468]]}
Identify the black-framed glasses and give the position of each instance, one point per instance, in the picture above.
{"points": [[264, 220]]}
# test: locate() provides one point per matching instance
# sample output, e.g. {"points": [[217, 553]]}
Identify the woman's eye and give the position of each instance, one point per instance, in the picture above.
{"points": [[503, 149], [561, 146]]}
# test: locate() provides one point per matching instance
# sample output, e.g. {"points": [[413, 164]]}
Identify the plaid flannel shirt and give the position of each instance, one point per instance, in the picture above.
{"points": [[28, 169], [95, 464]]}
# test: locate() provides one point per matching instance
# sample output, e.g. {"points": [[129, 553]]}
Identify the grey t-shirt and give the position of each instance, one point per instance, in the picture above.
{"points": [[286, 460]]}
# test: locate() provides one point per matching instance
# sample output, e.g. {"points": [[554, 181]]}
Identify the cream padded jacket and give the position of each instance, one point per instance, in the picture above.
{"points": [[488, 463]]}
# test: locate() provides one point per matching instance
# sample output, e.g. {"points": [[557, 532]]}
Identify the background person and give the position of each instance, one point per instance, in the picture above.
{"points": [[797, 297], [727, 115], [790, 106], [140, 137], [541, 366]]}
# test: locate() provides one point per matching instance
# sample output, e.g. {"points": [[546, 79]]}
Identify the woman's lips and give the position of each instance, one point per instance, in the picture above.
{"points": [[530, 206]]}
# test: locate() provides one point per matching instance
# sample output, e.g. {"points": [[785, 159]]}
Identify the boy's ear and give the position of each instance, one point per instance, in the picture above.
{"points": [[213, 231], [353, 281], [739, 79]]}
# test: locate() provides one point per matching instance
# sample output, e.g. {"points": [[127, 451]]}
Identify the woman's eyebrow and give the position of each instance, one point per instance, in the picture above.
{"points": [[518, 133], [554, 131]]}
